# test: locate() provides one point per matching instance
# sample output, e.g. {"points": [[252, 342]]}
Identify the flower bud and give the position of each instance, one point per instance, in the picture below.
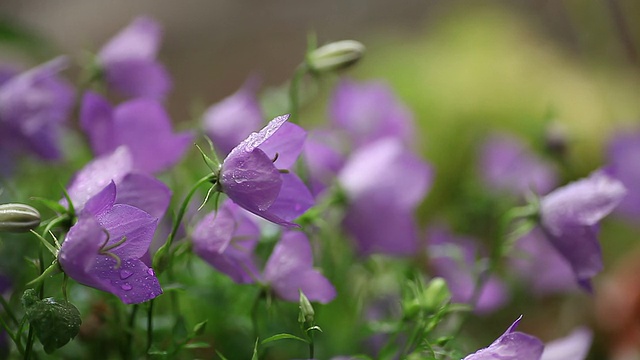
{"points": [[306, 310], [335, 56], [18, 218], [436, 294]]}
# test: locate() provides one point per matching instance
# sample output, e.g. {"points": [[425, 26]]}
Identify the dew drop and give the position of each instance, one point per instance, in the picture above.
{"points": [[125, 274], [126, 287], [151, 272]]}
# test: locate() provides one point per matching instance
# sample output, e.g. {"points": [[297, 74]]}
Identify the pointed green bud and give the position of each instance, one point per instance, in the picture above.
{"points": [[306, 310], [436, 294], [335, 56], [18, 218]]}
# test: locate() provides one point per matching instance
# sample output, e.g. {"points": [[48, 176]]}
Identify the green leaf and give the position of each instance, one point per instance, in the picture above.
{"points": [[54, 322], [200, 327], [282, 337], [255, 350], [221, 356], [197, 345]]}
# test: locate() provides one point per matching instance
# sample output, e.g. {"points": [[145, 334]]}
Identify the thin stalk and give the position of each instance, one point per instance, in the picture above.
{"points": [[12, 335], [129, 340], [9, 311], [165, 249], [294, 92], [150, 325]]}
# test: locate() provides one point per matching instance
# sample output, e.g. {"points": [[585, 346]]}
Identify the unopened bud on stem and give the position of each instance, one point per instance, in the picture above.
{"points": [[18, 218], [335, 56], [306, 310]]}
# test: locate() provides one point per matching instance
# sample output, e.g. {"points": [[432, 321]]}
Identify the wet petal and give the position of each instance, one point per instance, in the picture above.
{"points": [[512, 345], [144, 192], [256, 139], [78, 253], [293, 200], [133, 224], [287, 143], [133, 281]]}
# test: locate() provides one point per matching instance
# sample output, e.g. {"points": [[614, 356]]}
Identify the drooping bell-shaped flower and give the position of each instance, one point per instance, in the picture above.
{"points": [[569, 217], [226, 240], [322, 159], [623, 155], [129, 61], [33, 107], [574, 346], [454, 258], [507, 166], [512, 345], [103, 249], [141, 124], [290, 269], [140, 190], [231, 120], [384, 182], [251, 175], [543, 269], [370, 111]]}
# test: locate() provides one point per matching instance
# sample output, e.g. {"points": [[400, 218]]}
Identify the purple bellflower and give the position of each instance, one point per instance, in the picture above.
{"points": [[226, 240], [251, 174], [140, 190], [322, 159], [543, 268], [453, 258], [623, 155], [574, 346], [129, 61], [141, 124], [569, 217], [231, 120], [33, 107], [384, 182], [290, 269], [512, 345], [103, 249], [507, 166], [369, 112]]}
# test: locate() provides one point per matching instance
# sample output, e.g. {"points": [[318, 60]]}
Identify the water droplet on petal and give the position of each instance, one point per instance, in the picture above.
{"points": [[151, 272], [126, 287], [125, 274]]}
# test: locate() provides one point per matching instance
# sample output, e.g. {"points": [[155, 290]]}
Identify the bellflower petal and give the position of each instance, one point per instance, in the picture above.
{"points": [[322, 160], [226, 240], [369, 112], [542, 266], [144, 192], [230, 121], [575, 346], [285, 145], [507, 166], [97, 174], [290, 269], [96, 120], [33, 106], [569, 217], [129, 61], [126, 232], [623, 155], [512, 345], [251, 179], [453, 258]]}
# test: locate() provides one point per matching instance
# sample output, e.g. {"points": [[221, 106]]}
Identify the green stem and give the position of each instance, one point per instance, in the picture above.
{"points": [[311, 345], [164, 250], [294, 92], [12, 335], [150, 325], [130, 331], [254, 314]]}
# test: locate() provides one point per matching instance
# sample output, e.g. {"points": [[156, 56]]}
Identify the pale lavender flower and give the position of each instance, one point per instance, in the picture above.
{"points": [[512, 345], [569, 216], [322, 159], [290, 269], [251, 174], [231, 120], [369, 112], [226, 240], [543, 269], [103, 249], [129, 61], [384, 182], [506, 165], [33, 107], [624, 165], [141, 124], [454, 258], [139, 190], [574, 346]]}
